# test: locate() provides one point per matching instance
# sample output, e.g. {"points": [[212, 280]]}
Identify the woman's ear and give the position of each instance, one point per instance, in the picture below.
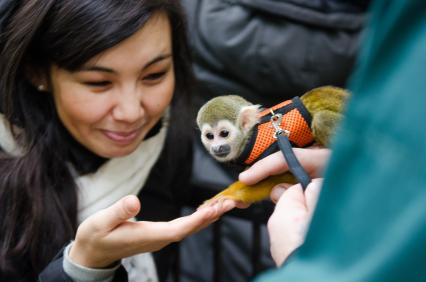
{"points": [[38, 78]]}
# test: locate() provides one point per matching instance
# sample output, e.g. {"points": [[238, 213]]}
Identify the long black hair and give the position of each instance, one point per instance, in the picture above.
{"points": [[38, 198]]}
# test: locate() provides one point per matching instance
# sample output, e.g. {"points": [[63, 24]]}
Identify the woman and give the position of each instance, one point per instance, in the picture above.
{"points": [[87, 90]]}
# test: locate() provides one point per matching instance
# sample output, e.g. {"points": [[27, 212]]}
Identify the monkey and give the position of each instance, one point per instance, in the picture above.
{"points": [[231, 127], [225, 123]]}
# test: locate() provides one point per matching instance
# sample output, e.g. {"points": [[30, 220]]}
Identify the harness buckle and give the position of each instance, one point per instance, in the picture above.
{"points": [[276, 120]]}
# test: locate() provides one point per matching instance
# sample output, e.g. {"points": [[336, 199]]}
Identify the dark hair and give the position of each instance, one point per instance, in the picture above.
{"points": [[38, 199]]}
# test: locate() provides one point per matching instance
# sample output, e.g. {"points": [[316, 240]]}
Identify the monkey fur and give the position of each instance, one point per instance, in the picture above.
{"points": [[227, 122]]}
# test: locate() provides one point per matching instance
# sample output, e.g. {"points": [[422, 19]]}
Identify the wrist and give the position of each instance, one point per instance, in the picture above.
{"points": [[84, 256], [79, 272]]}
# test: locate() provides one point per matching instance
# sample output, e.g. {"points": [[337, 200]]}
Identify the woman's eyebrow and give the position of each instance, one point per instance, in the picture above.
{"points": [[157, 59], [96, 68], [109, 70]]}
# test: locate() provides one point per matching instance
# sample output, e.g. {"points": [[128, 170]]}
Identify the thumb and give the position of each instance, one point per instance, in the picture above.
{"points": [[277, 192], [292, 197], [124, 209], [312, 193]]}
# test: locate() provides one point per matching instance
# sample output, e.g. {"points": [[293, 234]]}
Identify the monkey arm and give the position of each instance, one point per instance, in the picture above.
{"points": [[248, 194]]}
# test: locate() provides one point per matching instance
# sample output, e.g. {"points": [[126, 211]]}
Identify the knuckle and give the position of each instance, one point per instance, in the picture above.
{"points": [[270, 224]]}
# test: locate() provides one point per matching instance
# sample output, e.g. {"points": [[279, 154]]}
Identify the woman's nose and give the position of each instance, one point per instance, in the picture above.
{"points": [[128, 107]]}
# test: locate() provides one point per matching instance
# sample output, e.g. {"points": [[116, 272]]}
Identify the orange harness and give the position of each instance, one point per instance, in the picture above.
{"points": [[295, 119]]}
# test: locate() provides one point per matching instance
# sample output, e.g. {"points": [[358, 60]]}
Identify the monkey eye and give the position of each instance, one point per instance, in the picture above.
{"points": [[224, 133], [209, 136]]}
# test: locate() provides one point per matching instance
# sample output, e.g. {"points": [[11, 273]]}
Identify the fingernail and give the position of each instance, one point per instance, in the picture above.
{"points": [[230, 204], [131, 204], [276, 193]]}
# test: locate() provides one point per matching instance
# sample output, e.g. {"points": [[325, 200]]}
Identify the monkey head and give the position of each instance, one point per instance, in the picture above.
{"points": [[226, 124]]}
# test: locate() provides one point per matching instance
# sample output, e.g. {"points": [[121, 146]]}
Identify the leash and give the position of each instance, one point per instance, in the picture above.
{"points": [[287, 150]]}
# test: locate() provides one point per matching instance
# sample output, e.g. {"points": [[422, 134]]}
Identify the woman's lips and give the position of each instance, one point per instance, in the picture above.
{"points": [[121, 137]]}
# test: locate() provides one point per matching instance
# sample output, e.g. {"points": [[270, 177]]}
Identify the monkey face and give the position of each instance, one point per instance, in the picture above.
{"points": [[222, 140]]}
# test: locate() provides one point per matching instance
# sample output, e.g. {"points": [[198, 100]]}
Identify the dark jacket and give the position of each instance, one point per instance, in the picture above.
{"points": [[269, 50]]}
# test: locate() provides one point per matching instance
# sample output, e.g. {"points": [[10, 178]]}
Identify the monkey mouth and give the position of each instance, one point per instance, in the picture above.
{"points": [[221, 154], [221, 151]]}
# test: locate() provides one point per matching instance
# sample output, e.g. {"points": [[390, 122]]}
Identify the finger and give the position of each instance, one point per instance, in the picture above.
{"points": [[312, 193], [292, 197], [184, 226], [313, 160], [227, 205], [242, 205], [124, 209], [271, 165], [276, 192]]}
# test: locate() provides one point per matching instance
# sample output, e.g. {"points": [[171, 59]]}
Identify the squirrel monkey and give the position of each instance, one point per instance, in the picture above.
{"points": [[232, 129]]}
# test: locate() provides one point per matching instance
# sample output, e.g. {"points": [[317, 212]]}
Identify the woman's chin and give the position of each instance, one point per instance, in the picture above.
{"points": [[116, 151]]}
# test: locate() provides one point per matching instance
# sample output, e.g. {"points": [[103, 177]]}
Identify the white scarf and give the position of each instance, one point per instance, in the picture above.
{"points": [[118, 177], [115, 179]]}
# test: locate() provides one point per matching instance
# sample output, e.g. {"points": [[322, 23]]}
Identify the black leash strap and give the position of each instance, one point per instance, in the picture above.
{"points": [[293, 163], [284, 144]]}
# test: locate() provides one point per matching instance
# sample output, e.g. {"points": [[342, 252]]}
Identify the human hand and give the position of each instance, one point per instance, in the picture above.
{"points": [[289, 222], [313, 160], [108, 236]]}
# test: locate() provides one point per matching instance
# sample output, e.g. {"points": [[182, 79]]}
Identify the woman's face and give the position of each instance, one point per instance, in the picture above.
{"points": [[112, 101]]}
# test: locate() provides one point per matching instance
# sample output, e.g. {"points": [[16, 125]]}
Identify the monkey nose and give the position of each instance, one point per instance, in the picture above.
{"points": [[222, 150]]}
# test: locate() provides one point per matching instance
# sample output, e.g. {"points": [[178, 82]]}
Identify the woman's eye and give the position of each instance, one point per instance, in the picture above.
{"points": [[98, 83], [154, 76]]}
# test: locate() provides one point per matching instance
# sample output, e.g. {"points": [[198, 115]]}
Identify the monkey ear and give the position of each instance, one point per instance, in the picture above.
{"points": [[248, 117]]}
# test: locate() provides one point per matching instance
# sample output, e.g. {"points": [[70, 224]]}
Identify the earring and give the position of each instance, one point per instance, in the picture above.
{"points": [[41, 88]]}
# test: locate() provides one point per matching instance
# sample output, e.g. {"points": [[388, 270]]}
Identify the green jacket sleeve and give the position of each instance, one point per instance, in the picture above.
{"points": [[370, 220]]}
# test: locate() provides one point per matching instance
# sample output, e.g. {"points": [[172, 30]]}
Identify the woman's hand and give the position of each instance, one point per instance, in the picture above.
{"points": [[108, 236], [313, 160], [289, 222]]}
